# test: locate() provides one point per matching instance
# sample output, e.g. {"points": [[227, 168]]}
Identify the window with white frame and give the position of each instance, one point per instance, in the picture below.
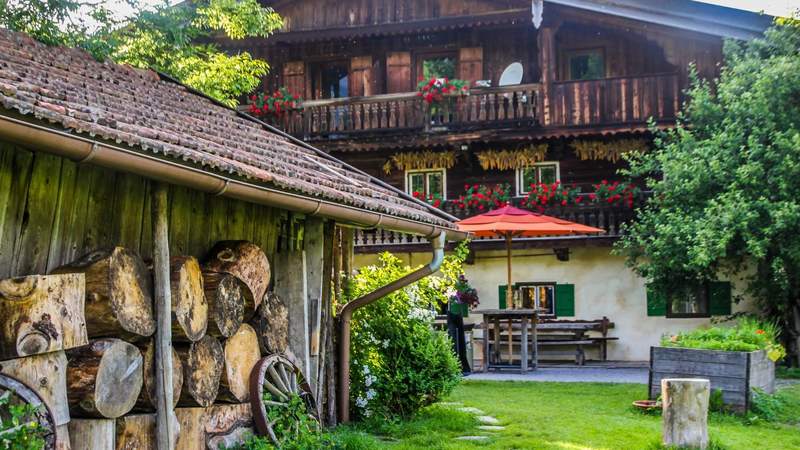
{"points": [[427, 183], [543, 172]]}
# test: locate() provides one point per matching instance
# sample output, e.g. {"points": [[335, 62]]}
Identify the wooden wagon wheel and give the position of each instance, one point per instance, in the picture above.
{"points": [[22, 394], [273, 382]]}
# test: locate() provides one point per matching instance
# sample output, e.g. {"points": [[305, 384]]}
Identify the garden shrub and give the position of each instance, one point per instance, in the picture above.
{"points": [[399, 364], [18, 429], [748, 335]]}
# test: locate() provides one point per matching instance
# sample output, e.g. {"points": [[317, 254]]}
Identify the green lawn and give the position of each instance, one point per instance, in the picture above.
{"points": [[565, 416]]}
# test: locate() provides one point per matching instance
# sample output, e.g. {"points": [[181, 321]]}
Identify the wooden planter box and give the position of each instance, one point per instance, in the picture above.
{"points": [[734, 373]]}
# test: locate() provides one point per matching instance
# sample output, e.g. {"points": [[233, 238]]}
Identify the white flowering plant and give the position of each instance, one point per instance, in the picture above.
{"points": [[399, 363]]}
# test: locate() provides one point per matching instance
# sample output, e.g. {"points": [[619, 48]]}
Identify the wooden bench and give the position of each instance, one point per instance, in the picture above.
{"points": [[556, 333]]}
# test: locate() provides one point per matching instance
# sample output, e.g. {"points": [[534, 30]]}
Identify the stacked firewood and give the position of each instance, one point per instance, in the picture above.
{"points": [[81, 337]]}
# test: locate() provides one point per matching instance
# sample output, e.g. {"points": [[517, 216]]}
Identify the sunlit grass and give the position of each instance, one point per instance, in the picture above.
{"points": [[562, 416]]}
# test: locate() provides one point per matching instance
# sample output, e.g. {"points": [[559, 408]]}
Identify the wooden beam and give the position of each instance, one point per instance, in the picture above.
{"points": [[163, 303], [314, 241]]}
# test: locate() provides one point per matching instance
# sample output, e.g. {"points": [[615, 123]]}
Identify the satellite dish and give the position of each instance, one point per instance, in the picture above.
{"points": [[512, 75]]}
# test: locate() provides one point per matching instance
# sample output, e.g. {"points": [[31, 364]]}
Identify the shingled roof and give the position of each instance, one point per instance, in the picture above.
{"points": [[148, 112]]}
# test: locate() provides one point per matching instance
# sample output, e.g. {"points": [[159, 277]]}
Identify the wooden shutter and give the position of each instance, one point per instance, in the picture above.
{"points": [[294, 77], [719, 298], [398, 72], [360, 76], [656, 302], [502, 296], [565, 300], [470, 64]]}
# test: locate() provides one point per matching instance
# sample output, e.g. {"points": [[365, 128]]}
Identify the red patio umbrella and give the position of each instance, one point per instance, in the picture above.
{"points": [[509, 222]]}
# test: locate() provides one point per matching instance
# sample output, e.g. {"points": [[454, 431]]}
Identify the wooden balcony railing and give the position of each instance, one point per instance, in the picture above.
{"points": [[610, 101], [501, 106], [609, 218]]}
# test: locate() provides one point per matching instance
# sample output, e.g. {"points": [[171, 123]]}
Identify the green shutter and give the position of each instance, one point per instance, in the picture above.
{"points": [[565, 300], [502, 296], [719, 298], [656, 302]]}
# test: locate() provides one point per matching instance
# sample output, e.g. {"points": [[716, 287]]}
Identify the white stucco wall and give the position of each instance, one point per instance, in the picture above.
{"points": [[604, 286]]}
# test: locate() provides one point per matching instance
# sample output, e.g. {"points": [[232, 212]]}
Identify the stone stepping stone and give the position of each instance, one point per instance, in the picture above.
{"points": [[472, 438], [471, 410], [449, 404], [491, 428], [488, 420]]}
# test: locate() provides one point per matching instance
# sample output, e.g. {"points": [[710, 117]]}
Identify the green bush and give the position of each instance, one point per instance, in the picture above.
{"points": [[748, 335], [18, 428], [399, 363]]}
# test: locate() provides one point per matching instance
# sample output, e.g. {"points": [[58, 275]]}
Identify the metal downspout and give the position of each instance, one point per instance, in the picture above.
{"points": [[347, 314]]}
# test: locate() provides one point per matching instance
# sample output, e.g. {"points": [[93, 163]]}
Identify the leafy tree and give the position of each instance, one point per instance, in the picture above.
{"points": [[726, 182], [173, 39]]}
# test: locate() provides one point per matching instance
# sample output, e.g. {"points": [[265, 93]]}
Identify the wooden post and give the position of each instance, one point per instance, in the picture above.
{"points": [[163, 306], [509, 286], [685, 412], [314, 242], [523, 351]]}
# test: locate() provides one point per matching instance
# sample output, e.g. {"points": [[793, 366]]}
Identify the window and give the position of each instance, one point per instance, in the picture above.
{"points": [[438, 67], [539, 296], [426, 182], [688, 302], [545, 172], [585, 64], [330, 80]]}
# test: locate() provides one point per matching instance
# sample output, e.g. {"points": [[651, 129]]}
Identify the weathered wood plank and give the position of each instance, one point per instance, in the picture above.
{"points": [[32, 245], [20, 173], [64, 215], [693, 355]]}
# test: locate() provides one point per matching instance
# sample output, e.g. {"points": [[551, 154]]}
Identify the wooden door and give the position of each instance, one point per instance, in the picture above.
{"points": [[398, 72]]}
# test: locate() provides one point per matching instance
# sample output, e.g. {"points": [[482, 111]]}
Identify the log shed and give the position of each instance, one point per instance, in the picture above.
{"points": [[201, 202]]}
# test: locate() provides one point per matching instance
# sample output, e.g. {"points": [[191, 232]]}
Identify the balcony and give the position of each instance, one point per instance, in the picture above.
{"points": [[513, 106], [610, 102], [609, 218]]}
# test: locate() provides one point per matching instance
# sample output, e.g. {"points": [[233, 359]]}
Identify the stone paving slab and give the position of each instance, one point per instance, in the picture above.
{"points": [[569, 375], [488, 420], [473, 438], [471, 410], [491, 428]]}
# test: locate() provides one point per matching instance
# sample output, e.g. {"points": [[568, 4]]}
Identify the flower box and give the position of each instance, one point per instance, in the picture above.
{"points": [[459, 308], [736, 374]]}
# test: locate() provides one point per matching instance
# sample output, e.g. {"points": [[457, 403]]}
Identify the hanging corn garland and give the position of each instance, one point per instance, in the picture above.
{"points": [[420, 160], [612, 151], [512, 159]]}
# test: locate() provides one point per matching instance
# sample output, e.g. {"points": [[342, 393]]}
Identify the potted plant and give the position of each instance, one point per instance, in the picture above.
{"points": [[438, 93], [463, 297], [735, 359], [274, 105], [541, 195], [481, 198]]}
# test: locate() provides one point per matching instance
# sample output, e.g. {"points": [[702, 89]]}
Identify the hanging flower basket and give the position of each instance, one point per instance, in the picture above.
{"points": [[275, 104]]}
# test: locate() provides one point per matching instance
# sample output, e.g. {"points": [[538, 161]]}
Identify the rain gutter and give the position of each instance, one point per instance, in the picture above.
{"points": [[84, 150], [346, 316]]}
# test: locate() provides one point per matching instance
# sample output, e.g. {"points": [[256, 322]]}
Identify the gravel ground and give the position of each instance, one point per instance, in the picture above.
{"points": [[582, 374]]}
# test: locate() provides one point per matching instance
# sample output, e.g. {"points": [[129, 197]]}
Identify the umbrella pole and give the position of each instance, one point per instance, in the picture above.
{"points": [[509, 286]]}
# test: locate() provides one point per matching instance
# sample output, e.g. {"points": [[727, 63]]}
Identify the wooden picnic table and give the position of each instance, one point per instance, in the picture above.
{"points": [[509, 317]]}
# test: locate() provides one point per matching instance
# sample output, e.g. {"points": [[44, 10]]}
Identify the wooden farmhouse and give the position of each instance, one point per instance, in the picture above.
{"points": [[557, 92], [148, 233]]}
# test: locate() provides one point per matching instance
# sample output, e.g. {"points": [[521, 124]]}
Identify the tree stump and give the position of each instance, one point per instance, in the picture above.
{"points": [[136, 432], [247, 262], [241, 355], [271, 323], [147, 398], [685, 412], [47, 375], [91, 434], [41, 314], [189, 305], [225, 295], [119, 300], [104, 378], [203, 362]]}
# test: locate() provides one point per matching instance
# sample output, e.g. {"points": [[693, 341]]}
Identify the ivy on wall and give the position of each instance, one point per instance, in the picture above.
{"points": [[611, 151], [421, 160], [512, 159]]}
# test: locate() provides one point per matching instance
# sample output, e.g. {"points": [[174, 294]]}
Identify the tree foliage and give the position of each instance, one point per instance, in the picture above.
{"points": [[173, 39], [726, 181]]}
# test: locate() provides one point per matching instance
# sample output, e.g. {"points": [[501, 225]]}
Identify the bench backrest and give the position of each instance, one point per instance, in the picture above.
{"points": [[556, 325]]}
